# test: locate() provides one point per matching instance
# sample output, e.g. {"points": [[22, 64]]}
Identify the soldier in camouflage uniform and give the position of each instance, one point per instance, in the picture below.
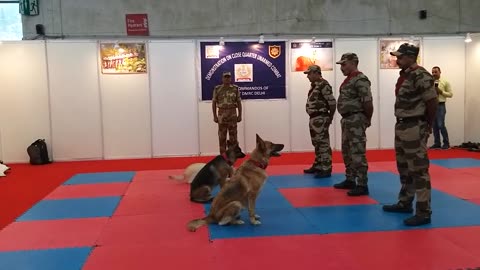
{"points": [[415, 107], [227, 98], [320, 107], [356, 107]]}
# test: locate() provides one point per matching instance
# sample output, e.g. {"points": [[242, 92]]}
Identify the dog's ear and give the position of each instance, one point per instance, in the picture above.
{"points": [[261, 144]]}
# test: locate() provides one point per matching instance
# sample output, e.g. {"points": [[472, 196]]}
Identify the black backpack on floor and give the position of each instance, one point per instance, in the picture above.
{"points": [[38, 152]]}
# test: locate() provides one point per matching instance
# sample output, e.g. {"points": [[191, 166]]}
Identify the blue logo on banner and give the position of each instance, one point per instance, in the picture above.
{"points": [[257, 69]]}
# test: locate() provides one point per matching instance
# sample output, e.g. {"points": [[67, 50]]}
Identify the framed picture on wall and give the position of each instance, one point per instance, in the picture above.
{"points": [[123, 58], [388, 61], [305, 54]]}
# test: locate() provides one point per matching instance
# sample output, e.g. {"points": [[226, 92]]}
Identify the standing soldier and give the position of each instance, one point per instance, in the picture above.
{"points": [[227, 98], [321, 105], [356, 107], [415, 107]]}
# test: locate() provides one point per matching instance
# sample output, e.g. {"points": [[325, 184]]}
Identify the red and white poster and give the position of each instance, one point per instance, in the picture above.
{"points": [[137, 24]]}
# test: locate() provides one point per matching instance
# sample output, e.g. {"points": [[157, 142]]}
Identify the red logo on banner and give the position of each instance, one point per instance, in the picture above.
{"points": [[137, 24]]}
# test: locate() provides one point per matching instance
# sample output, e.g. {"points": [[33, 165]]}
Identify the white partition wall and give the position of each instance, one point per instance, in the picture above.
{"points": [[472, 95], [74, 100], [126, 115], [55, 90], [269, 119], [367, 52], [24, 108], [449, 54], [173, 98]]}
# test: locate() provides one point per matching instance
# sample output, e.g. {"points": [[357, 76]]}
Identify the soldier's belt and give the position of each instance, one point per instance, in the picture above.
{"points": [[411, 119], [348, 114], [228, 107], [315, 114]]}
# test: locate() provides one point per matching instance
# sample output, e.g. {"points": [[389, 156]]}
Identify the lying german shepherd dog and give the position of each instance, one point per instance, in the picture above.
{"points": [[242, 190], [214, 173]]}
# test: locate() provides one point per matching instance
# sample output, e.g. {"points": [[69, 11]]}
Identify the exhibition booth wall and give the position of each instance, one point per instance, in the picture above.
{"points": [[57, 90]]}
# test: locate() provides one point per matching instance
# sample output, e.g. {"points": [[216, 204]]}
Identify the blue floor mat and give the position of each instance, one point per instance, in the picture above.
{"points": [[96, 178], [72, 208], [279, 217], [48, 259], [457, 163]]}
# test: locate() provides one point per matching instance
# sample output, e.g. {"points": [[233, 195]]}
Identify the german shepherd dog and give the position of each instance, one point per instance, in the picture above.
{"points": [[242, 190], [214, 173]]}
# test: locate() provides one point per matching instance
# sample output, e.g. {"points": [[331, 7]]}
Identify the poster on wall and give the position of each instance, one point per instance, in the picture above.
{"points": [[257, 69], [125, 58], [388, 61], [305, 54]]}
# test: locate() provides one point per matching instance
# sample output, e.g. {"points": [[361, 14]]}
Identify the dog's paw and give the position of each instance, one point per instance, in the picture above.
{"points": [[255, 222], [238, 222], [257, 216]]}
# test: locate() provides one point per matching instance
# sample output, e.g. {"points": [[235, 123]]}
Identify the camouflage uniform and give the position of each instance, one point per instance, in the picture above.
{"points": [[227, 98], [414, 88], [320, 98], [354, 92]]}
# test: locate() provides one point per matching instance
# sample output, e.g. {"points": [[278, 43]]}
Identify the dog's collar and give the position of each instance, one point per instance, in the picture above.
{"points": [[259, 164], [224, 155]]}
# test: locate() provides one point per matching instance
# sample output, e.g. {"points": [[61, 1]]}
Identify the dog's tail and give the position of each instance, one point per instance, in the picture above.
{"points": [[197, 223]]}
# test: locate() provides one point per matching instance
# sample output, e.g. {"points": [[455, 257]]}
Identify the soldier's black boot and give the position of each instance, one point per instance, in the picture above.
{"points": [[417, 220], [358, 191], [323, 174], [398, 208], [346, 184], [310, 170]]}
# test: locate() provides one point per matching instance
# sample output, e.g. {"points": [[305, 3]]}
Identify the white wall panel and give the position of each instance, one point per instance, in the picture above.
{"points": [[24, 108], [74, 100], [472, 95], [126, 115], [173, 94]]}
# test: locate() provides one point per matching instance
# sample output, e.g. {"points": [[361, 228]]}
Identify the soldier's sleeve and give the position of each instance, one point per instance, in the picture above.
{"points": [[214, 97], [364, 91], [425, 85], [328, 95]]}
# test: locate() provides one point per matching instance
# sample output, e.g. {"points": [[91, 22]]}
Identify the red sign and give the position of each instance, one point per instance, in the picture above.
{"points": [[137, 24]]}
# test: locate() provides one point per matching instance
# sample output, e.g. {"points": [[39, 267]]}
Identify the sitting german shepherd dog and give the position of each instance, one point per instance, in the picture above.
{"points": [[214, 173], [242, 189]]}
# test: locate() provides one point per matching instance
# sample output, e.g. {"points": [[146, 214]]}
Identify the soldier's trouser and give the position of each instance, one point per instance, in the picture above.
{"points": [[354, 142], [227, 122], [231, 128], [413, 163], [321, 141]]}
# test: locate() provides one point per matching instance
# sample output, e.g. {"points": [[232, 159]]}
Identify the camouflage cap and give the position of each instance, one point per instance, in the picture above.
{"points": [[313, 68], [348, 57], [406, 49], [226, 73]]}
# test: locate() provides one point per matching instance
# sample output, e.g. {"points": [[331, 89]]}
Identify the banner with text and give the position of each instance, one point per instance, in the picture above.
{"points": [[257, 69]]}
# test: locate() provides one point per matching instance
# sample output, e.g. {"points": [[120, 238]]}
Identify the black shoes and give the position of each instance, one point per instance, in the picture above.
{"points": [[318, 173], [345, 184], [323, 174], [415, 220], [398, 208], [358, 191], [310, 170]]}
